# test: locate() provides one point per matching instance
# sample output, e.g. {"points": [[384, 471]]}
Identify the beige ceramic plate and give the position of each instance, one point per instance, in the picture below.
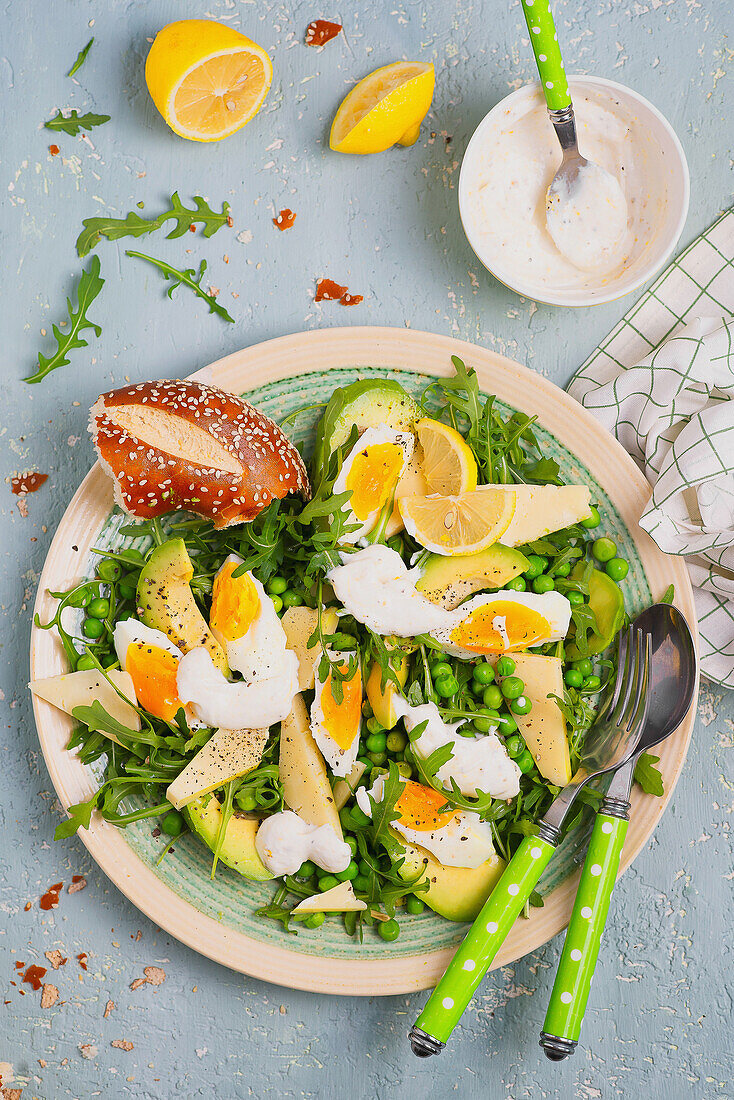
{"points": [[217, 920]]}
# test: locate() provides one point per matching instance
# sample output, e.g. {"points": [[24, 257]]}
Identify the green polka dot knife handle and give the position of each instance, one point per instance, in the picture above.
{"points": [[474, 957], [580, 951], [544, 40]]}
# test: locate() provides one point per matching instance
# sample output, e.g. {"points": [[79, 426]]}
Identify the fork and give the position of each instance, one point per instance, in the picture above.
{"points": [[609, 743]]}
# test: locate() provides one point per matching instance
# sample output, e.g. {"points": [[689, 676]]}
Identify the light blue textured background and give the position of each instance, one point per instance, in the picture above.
{"points": [[659, 1023]]}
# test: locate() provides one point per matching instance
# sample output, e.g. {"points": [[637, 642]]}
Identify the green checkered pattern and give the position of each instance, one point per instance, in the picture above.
{"points": [[663, 383]]}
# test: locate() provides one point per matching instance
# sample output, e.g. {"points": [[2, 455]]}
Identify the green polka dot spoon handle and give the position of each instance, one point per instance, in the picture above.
{"points": [[544, 40], [475, 955]]}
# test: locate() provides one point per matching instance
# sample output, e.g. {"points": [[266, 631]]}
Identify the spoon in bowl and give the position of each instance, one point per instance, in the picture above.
{"points": [[585, 207]]}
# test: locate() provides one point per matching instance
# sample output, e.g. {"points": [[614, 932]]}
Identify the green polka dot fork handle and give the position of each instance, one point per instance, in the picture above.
{"points": [[544, 40], [475, 955], [581, 949]]}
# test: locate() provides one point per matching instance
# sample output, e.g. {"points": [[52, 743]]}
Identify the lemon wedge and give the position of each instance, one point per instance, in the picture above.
{"points": [[206, 79], [461, 524], [385, 108], [448, 465]]}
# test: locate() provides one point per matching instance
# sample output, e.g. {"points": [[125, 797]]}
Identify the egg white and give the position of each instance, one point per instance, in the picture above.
{"points": [[466, 841], [341, 761], [218, 702], [131, 631], [260, 653], [553, 606], [371, 437]]}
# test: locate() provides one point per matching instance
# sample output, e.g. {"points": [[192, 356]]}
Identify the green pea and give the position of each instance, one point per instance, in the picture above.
{"points": [[315, 920], [378, 758], [441, 669], [359, 817], [109, 570], [505, 666], [351, 843], [536, 565], [85, 663], [376, 742], [126, 591], [375, 726], [414, 906], [562, 570], [521, 705], [361, 884], [575, 599], [593, 521], [484, 674], [389, 930], [364, 868], [525, 761], [92, 628], [135, 554], [328, 882], [405, 769], [486, 720], [446, 686], [173, 823], [543, 584], [99, 608], [506, 724], [517, 584], [248, 803], [349, 872], [396, 741], [291, 598], [592, 683], [512, 688], [276, 586], [367, 710], [617, 569], [306, 870], [492, 697], [604, 549], [584, 666], [573, 678], [277, 604], [515, 746]]}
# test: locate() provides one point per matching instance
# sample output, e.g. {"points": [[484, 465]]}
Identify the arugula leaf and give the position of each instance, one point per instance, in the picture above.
{"points": [[133, 225], [187, 277], [80, 816], [81, 57], [384, 813], [648, 776], [87, 290], [97, 720], [668, 595], [75, 122]]}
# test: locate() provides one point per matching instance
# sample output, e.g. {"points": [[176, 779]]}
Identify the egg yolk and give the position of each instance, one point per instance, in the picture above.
{"points": [[342, 720], [372, 476], [420, 808], [235, 603], [501, 625], [153, 671]]}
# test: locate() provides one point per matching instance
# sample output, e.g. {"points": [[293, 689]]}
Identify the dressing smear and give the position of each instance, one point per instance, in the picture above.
{"points": [[508, 174]]}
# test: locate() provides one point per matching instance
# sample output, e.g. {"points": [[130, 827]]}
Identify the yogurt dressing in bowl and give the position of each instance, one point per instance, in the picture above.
{"points": [[509, 165]]}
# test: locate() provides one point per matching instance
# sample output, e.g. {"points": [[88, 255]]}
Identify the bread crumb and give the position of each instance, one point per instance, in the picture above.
{"points": [[88, 1050], [79, 884], [109, 1007], [122, 1044], [55, 958], [11, 1094], [136, 984], [49, 995], [42, 1063], [154, 974]]}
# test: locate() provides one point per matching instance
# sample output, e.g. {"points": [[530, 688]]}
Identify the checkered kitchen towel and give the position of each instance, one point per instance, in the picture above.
{"points": [[663, 383]]}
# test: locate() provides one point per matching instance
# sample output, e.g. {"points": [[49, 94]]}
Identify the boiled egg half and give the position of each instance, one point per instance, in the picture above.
{"points": [[504, 621], [244, 621], [370, 472], [152, 660], [457, 838], [335, 723]]}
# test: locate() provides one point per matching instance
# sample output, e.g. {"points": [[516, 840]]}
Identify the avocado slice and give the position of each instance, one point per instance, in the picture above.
{"points": [[448, 581], [382, 699], [457, 893], [238, 849], [165, 601], [607, 603], [368, 404]]}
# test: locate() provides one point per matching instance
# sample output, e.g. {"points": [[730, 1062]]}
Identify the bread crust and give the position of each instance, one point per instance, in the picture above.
{"points": [[199, 448]]}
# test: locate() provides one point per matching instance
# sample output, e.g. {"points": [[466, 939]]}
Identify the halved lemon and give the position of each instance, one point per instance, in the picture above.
{"points": [[385, 108], [448, 465], [462, 524], [206, 79]]}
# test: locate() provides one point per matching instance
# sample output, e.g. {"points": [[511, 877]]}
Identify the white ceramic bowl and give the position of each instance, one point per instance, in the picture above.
{"points": [[670, 179]]}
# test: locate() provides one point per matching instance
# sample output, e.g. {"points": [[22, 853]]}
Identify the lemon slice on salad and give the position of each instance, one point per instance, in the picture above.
{"points": [[448, 465], [461, 524], [206, 79], [385, 108]]}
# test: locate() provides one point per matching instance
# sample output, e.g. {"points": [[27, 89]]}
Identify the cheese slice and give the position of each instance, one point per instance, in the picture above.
{"points": [[340, 899], [80, 689], [542, 509], [306, 787], [299, 624], [227, 755], [544, 727]]}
